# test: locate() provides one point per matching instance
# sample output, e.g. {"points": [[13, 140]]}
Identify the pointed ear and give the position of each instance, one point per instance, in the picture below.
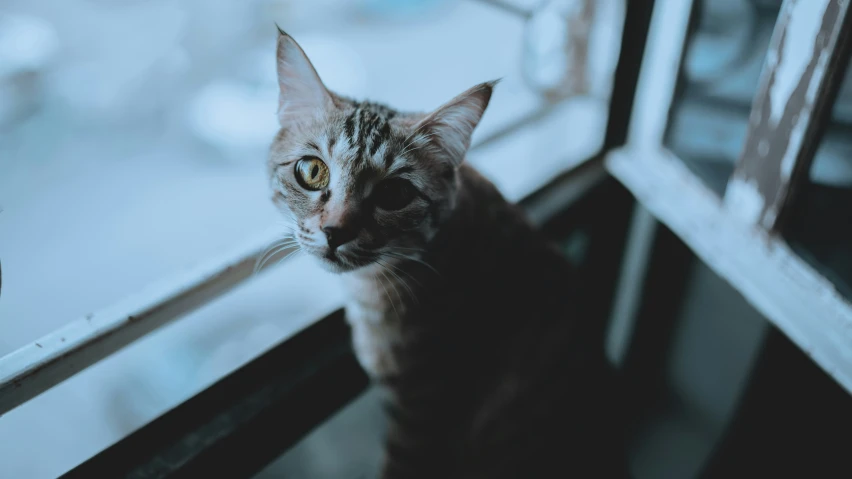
{"points": [[301, 90], [448, 129]]}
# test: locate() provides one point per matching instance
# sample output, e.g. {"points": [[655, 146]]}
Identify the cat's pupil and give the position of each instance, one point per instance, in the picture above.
{"points": [[314, 171]]}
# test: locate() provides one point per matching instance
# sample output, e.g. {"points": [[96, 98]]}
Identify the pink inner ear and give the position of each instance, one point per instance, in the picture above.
{"points": [[302, 92]]}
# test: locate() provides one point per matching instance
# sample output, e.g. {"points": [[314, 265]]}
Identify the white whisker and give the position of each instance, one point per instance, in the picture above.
{"points": [[386, 291], [404, 284], [412, 258], [272, 250], [292, 253]]}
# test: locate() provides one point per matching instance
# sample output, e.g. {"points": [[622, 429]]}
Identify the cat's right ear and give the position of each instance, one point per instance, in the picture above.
{"points": [[301, 90]]}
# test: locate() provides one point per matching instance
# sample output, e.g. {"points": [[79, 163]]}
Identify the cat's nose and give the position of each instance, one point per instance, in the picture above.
{"points": [[338, 236]]}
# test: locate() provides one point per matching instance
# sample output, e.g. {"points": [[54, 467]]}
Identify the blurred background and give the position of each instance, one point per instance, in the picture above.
{"points": [[133, 137]]}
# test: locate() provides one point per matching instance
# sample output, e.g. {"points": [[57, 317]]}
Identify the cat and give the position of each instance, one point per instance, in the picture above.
{"points": [[460, 310]]}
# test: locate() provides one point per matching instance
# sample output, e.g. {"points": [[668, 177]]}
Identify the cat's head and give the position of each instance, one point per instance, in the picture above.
{"points": [[360, 183]]}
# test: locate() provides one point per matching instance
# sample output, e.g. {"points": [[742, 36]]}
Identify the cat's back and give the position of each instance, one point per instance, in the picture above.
{"points": [[495, 254], [553, 397], [514, 373]]}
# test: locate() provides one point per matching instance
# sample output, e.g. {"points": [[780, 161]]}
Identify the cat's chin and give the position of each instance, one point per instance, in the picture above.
{"points": [[337, 264]]}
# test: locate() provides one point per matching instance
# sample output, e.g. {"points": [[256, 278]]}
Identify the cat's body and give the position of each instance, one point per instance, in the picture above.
{"points": [[458, 307], [492, 370]]}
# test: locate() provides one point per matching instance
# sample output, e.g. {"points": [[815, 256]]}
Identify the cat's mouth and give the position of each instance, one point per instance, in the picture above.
{"points": [[339, 261]]}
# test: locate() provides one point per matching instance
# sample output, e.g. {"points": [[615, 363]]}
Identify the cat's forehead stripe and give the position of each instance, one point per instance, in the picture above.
{"points": [[367, 128]]}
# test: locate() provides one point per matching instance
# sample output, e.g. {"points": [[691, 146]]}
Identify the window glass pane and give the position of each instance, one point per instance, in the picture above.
{"points": [[720, 76], [820, 225], [133, 138]]}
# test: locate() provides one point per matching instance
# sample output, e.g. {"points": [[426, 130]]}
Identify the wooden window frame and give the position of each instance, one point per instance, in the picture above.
{"points": [[736, 236]]}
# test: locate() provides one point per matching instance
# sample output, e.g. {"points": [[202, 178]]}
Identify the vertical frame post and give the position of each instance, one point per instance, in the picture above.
{"points": [[802, 72]]}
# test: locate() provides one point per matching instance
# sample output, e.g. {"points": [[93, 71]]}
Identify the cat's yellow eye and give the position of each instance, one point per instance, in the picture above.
{"points": [[312, 173]]}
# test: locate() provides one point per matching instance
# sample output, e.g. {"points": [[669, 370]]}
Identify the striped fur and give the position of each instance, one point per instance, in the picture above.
{"points": [[458, 307]]}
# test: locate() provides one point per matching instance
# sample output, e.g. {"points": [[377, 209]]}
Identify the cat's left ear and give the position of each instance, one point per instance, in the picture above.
{"points": [[302, 93], [450, 127]]}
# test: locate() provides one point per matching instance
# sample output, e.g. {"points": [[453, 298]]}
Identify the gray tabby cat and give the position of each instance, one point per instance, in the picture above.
{"points": [[457, 305]]}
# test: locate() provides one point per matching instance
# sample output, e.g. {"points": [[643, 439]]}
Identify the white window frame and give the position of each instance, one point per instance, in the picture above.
{"points": [[745, 251]]}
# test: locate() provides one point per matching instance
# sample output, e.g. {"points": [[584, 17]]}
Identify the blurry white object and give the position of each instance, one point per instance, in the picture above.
{"points": [[233, 115], [116, 69], [27, 47], [306, 14], [571, 47], [400, 10], [239, 115]]}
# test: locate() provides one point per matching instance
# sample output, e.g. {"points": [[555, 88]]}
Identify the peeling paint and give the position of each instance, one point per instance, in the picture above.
{"points": [[805, 20], [797, 133], [787, 111], [743, 199], [800, 120]]}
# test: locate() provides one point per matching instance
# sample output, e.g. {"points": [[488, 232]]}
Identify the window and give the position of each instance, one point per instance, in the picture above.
{"points": [[725, 52], [133, 146], [737, 169], [820, 224], [737, 235]]}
